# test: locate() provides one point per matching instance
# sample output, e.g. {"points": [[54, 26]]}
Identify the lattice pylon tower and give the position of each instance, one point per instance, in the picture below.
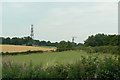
{"points": [[32, 34], [73, 39]]}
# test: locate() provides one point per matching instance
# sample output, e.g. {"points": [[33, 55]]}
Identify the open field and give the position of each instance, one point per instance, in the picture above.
{"points": [[18, 48], [50, 58], [67, 64]]}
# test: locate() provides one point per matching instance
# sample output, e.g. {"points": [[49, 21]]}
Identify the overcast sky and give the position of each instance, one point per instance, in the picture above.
{"points": [[59, 21]]}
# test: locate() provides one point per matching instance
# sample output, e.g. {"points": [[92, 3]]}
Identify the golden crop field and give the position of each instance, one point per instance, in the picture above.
{"points": [[20, 48]]}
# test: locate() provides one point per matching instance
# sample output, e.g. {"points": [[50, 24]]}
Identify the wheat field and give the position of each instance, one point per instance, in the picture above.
{"points": [[20, 48]]}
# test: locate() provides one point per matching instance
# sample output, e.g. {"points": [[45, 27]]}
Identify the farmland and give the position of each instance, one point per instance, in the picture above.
{"points": [[19, 48], [67, 64], [50, 58], [47, 58], [64, 60]]}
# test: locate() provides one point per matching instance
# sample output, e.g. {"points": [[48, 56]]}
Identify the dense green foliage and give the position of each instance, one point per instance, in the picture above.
{"points": [[93, 40], [26, 41], [64, 46], [101, 49], [21, 53], [106, 68], [102, 40], [96, 43]]}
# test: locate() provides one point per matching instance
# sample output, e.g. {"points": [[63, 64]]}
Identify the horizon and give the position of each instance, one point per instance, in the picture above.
{"points": [[56, 41]]}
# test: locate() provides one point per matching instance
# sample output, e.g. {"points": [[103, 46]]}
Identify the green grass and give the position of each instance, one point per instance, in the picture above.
{"points": [[51, 58], [0, 67], [57, 65]]}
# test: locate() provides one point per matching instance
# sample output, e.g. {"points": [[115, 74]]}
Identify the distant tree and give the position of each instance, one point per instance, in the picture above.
{"points": [[2, 40], [80, 44], [8, 40], [28, 41], [70, 45], [64, 46], [48, 43], [90, 41], [113, 40], [36, 42], [42, 43], [102, 40], [15, 41]]}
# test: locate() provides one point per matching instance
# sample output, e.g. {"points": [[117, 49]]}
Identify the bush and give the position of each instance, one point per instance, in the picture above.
{"points": [[86, 68], [101, 49], [64, 46]]}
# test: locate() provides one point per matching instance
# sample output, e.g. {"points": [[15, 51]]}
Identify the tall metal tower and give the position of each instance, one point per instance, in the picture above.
{"points": [[32, 34], [73, 38]]}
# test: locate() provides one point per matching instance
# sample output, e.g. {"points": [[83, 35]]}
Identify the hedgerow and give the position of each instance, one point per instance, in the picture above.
{"points": [[101, 49], [18, 53]]}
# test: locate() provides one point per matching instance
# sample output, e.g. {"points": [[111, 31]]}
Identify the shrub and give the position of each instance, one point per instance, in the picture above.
{"points": [[101, 49], [64, 46], [86, 68]]}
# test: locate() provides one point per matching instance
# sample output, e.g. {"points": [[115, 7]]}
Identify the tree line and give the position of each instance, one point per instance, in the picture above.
{"points": [[96, 43], [102, 40], [28, 41], [93, 41]]}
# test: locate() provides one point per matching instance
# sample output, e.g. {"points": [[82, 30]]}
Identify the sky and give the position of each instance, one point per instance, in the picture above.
{"points": [[59, 0], [56, 21]]}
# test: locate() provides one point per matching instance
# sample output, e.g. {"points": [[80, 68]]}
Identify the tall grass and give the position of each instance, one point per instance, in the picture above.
{"points": [[86, 68]]}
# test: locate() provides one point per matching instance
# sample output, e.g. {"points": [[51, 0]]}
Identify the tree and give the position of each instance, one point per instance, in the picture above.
{"points": [[64, 46], [28, 41], [102, 40]]}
